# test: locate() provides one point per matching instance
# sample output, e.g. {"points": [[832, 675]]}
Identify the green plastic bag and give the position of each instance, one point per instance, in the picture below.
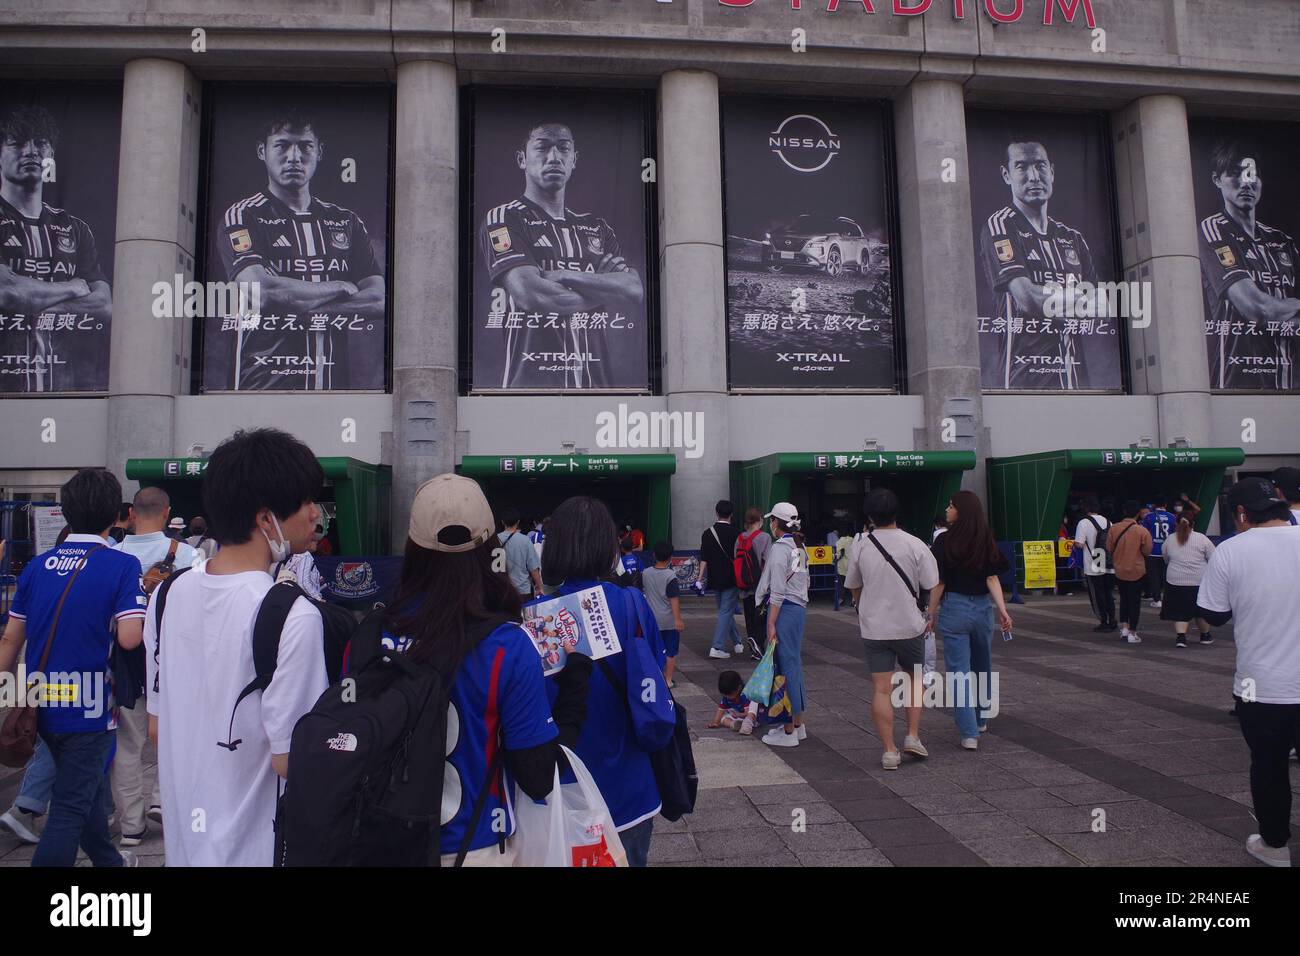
{"points": [[759, 686]]}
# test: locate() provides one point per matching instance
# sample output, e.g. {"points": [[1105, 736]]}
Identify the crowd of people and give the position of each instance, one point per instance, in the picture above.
{"points": [[167, 627]]}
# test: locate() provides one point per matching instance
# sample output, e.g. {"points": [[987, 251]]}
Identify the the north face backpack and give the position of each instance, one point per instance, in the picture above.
{"points": [[748, 571], [367, 763]]}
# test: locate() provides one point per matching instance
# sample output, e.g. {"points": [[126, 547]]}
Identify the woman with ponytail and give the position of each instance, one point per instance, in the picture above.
{"points": [[1186, 555], [785, 582]]}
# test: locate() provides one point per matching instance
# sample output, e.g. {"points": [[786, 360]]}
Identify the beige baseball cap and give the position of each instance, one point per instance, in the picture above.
{"points": [[450, 501]]}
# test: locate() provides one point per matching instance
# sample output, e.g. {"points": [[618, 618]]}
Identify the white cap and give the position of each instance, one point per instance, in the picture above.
{"points": [[448, 501], [786, 512], [177, 524]]}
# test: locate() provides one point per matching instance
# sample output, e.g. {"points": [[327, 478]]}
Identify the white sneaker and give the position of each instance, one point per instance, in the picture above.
{"points": [[719, 655], [777, 737], [970, 743], [1268, 855], [891, 759], [913, 746], [12, 818], [129, 858], [802, 731], [747, 726], [155, 812], [738, 649], [983, 726], [1132, 638], [1155, 604]]}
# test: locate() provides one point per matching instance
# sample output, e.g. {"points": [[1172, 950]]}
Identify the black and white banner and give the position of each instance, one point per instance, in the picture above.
{"points": [[1043, 215], [559, 268], [809, 294], [58, 218], [295, 269]]}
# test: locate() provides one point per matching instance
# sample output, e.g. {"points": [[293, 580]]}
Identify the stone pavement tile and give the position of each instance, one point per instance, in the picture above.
{"points": [[1105, 849], [1143, 782], [719, 798], [1055, 819], [842, 857], [1178, 836], [673, 848], [977, 825], [1020, 851], [1236, 827], [792, 793], [1090, 794], [1032, 798], [1138, 814], [1224, 784], [933, 854], [911, 831], [859, 788], [736, 844], [1025, 759], [783, 814], [1053, 776], [820, 769], [740, 761], [937, 803], [736, 817], [888, 808], [830, 836], [1236, 856], [905, 784], [1154, 863], [1201, 805], [985, 779]]}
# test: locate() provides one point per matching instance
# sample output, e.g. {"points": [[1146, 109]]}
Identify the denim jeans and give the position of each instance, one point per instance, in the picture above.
{"points": [[789, 651], [726, 634], [966, 626], [38, 781], [636, 842], [79, 803]]}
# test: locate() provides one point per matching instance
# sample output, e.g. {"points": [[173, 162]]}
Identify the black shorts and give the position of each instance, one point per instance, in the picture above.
{"points": [[883, 656]]}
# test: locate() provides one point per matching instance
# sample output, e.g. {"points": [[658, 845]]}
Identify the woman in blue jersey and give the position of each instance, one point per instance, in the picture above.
{"points": [[629, 709], [452, 610]]}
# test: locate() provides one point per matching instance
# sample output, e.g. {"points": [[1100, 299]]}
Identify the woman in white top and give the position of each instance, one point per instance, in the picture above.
{"points": [[1186, 555], [785, 586]]}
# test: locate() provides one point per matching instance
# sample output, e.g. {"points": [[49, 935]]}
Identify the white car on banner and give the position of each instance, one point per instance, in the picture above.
{"points": [[817, 242]]}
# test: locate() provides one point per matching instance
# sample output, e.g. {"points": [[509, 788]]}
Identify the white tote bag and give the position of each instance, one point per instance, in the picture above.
{"points": [[572, 827]]}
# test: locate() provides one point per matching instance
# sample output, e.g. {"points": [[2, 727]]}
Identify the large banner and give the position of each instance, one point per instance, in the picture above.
{"points": [[809, 295], [58, 218], [1043, 215], [296, 295], [559, 212], [1246, 237]]}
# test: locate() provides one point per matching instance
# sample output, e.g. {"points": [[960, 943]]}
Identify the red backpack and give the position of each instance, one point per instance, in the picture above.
{"points": [[746, 562]]}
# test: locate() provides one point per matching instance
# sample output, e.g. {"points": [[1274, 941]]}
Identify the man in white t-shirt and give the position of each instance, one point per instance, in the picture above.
{"points": [[890, 618], [1090, 541], [1251, 580], [150, 510], [220, 767]]}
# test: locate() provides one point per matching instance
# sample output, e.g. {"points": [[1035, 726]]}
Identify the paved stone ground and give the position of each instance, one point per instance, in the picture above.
{"points": [[1140, 731]]}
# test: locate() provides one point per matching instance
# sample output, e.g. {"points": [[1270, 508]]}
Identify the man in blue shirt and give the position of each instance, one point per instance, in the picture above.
{"points": [[96, 588], [1160, 523]]}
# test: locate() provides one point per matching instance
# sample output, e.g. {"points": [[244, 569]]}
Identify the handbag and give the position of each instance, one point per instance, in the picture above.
{"points": [[759, 686], [18, 732], [572, 827]]}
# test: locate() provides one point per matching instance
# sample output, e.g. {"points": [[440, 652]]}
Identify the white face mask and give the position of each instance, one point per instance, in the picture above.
{"points": [[279, 551]]}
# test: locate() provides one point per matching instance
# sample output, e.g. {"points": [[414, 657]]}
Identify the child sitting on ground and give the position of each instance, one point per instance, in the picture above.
{"points": [[735, 710]]}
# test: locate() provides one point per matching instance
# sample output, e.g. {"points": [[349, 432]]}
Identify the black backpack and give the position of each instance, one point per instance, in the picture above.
{"points": [[367, 762]]}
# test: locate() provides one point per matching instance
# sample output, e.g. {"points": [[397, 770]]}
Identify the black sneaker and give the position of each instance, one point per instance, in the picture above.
{"points": [[1207, 638], [755, 652], [1181, 642]]}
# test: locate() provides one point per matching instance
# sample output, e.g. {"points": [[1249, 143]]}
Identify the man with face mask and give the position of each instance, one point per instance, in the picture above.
{"points": [[1248, 271], [258, 493]]}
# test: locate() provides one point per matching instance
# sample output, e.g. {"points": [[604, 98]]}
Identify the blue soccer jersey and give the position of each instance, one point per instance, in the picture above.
{"points": [[1160, 524], [77, 672]]}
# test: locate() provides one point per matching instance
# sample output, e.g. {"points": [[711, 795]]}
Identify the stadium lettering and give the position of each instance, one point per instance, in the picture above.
{"points": [[1068, 9]]}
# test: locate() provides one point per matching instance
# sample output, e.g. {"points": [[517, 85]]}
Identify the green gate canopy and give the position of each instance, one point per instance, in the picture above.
{"points": [[655, 470], [361, 494], [923, 480], [1028, 493]]}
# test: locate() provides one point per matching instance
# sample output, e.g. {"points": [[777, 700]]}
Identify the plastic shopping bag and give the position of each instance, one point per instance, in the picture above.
{"points": [[930, 668], [570, 828], [759, 686]]}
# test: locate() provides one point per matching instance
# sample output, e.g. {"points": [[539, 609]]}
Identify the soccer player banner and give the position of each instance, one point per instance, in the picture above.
{"points": [[1042, 211], [560, 274], [1248, 215], [297, 239], [58, 216], [809, 282]]}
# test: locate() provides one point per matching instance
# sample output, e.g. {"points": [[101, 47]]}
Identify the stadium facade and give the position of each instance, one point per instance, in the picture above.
{"points": [[785, 207]]}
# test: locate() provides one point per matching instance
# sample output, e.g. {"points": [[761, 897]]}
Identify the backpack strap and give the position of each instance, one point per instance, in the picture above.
{"points": [[894, 564], [58, 610], [267, 625], [160, 602]]}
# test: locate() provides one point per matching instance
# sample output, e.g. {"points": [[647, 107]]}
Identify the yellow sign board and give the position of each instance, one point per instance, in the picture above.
{"points": [[1064, 547], [1040, 564], [821, 554]]}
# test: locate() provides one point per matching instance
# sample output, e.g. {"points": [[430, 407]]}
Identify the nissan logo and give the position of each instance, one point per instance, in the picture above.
{"points": [[804, 143]]}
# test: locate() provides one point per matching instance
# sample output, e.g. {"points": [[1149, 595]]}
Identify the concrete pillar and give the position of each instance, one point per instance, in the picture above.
{"points": [[156, 188], [693, 320], [938, 258], [426, 237], [1157, 217]]}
